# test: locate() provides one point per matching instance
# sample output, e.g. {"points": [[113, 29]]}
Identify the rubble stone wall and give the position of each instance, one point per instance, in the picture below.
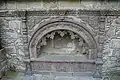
{"points": [[11, 40], [112, 44], [3, 63]]}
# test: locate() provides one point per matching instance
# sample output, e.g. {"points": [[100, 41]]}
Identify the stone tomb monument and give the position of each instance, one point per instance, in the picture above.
{"points": [[60, 42], [64, 45]]}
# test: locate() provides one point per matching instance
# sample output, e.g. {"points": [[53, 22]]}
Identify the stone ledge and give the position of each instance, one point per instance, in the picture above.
{"points": [[56, 12], [40, 60], [63, 73]]}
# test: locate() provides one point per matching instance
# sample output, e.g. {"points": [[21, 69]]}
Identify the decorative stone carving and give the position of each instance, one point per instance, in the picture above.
{"points": [[68, 25], [43, 42], [62, 66], [70, 12], [62, 42]]}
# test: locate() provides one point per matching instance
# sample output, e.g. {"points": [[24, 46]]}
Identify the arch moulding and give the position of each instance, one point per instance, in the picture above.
{"points": [[61, 23]]}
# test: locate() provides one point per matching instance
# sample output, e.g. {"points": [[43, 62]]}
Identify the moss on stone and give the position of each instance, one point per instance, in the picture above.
{"points": [[115, 77], [11, 73]]}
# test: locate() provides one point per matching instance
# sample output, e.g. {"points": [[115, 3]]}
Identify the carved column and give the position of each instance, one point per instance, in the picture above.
{"points": [[26, 50], [101, 38]]}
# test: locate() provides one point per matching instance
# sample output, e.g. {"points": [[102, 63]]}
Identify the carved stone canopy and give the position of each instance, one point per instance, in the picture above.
{"points": [[62, 33], [62, 42]]}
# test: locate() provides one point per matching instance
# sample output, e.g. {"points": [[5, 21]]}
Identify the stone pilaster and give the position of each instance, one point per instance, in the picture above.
{"points": [[101, 37], [25, 41]]}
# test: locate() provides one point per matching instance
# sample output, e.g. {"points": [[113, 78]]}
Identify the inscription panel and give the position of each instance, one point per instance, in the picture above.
{"points": [[63, 66]]}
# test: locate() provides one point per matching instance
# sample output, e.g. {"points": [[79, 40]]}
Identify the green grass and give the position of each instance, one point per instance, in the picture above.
{"points": [[11, 73], [114, 77]]}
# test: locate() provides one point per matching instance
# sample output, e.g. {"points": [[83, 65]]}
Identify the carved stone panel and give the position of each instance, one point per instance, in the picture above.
{"points": [[63, 66]]}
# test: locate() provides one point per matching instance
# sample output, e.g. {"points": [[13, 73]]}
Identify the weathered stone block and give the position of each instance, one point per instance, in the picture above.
{"points": [[28, 77], [118, 34], [115, 43], [2, 6], [11, 5], [21, 5], [69, 5], [37, 77]]}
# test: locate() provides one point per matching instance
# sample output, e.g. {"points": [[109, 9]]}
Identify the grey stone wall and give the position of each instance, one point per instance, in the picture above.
{"points": [[64, 4], [3, 63], [112, 44], [11, 39]]}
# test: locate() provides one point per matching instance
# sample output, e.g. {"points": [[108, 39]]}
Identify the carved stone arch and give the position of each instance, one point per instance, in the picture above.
{"points": [[62, 23]]}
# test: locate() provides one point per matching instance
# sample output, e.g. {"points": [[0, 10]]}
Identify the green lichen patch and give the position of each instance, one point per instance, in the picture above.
{"points": [[11, 74]]}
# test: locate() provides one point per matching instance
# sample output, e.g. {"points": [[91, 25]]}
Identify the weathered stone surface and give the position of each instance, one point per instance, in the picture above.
{"points": [[28, 77], [30, 23], [111, 46], [115, 43], [3, 63], [90, 5], [62, 66]]}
